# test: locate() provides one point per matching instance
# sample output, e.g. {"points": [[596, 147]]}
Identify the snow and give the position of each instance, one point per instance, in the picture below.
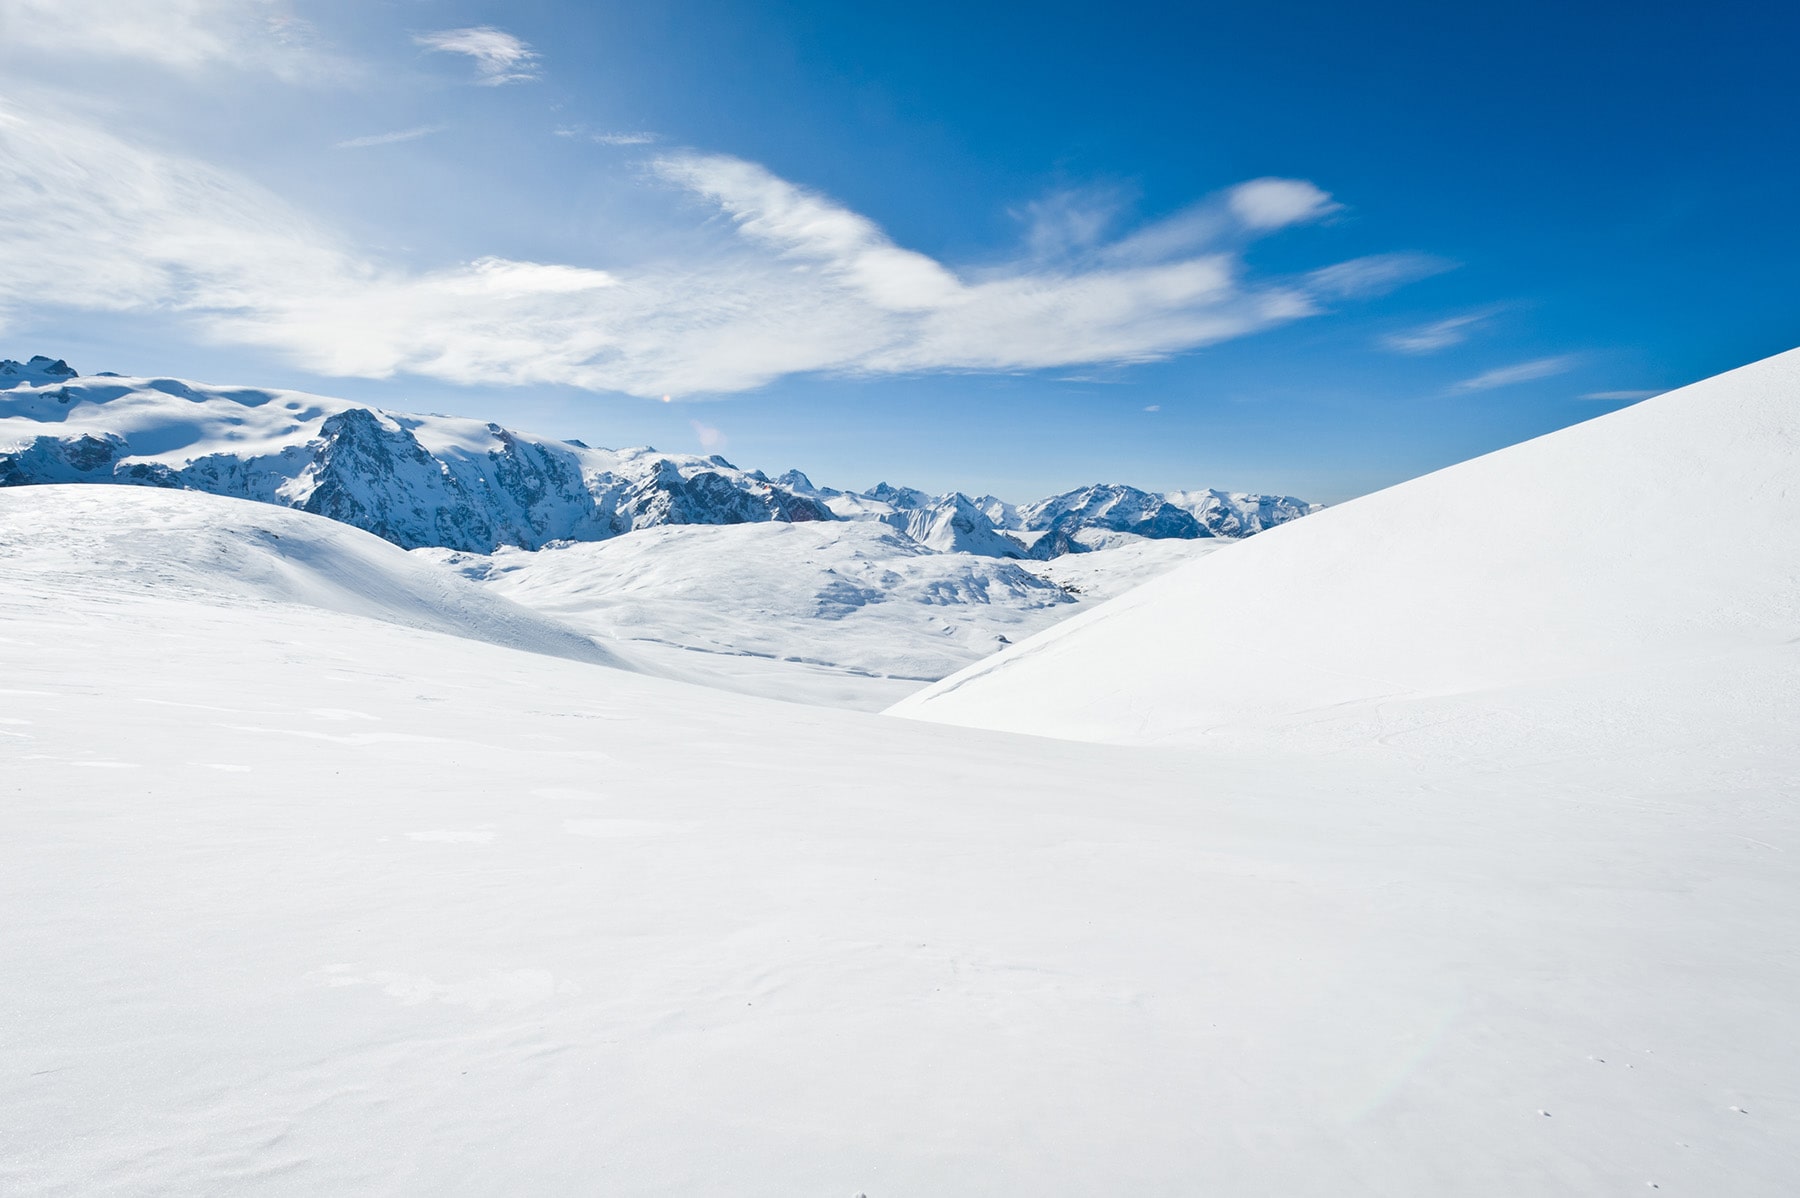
{"points": [[110, 543], [1119, 563], [849, 614], [1659, 541], [305, 899]]}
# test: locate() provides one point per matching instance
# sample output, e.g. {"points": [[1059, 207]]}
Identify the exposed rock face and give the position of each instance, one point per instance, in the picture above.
{"points": [[667, 496], [82, 459]]}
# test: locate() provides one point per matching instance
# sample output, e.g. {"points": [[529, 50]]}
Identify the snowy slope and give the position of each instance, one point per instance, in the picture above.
{"points": [[300, 902], [1118, 563], [851, 614], [1598, 552], [114, 544]]}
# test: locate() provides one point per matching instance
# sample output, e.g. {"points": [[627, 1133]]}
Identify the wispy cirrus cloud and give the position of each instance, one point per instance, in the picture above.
{"points": [[777, 279], [1521, 372], [1437, 335], [499, 56], [1627, 396], [180, 35], [583, 133], [388, 139]]}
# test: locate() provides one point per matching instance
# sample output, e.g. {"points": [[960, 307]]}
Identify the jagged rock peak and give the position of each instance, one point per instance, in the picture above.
{"points": [[39, 367]]}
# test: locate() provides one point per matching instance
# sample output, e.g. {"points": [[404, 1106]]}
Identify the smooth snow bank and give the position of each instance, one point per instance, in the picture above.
{"points": [[304, 903], [840, 613], [122, 541], [1665, 533]]}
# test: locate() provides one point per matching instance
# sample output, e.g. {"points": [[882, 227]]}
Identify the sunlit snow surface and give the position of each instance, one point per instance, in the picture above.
{"points": [[846, 614], [307, 893], [1661, 541]]}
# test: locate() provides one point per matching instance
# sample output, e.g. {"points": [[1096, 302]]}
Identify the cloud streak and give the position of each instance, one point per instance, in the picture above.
{"points": [[1438, 335], [583, 133], [499, 56], [779, 280], [1522, 372], [388, 139]]}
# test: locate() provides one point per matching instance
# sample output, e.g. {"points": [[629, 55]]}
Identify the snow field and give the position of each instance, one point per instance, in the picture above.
{"points": [[303, 899]]}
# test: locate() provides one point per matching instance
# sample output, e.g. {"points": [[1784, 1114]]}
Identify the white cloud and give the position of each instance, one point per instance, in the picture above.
{"points": [[1375, 274], [499, 56], [1277, 203], [1155, 407], [179, 35], [1523, 372], [782, 280], [583, 133], [710, 438], [388, 139], [1439, 334], [1069, 221], [1620, 396], [1249, 210]]}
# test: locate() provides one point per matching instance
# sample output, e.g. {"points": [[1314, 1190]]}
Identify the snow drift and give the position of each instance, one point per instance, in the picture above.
{"points": [[1598, 552], [120, 543]]}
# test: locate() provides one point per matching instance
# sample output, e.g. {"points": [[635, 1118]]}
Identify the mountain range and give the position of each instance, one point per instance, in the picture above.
{"points": [[455, 483]]}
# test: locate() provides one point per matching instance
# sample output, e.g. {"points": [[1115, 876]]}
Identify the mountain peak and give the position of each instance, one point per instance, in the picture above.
{"points": [[39, 369]]}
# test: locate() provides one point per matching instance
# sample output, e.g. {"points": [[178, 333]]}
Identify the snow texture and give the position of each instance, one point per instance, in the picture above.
{"points": [[850, 614], [1599, 555]]}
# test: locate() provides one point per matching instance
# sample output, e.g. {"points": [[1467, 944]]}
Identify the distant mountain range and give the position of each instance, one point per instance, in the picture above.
{"points": [[455, 483]]}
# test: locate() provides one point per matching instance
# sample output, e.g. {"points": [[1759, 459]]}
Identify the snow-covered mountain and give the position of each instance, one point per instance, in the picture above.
{"points": [[413, 480], [467, 485], [1073, 522]]}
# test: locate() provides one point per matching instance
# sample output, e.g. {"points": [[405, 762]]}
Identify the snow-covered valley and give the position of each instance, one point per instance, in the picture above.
{"points": [[854, 614], [688, 566], [332, 869]]}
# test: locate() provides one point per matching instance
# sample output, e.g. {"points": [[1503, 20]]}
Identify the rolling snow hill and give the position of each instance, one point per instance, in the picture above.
{"points": [[467, 485], [1597, 557], [111, 545], [846, 614], [301, 901]]}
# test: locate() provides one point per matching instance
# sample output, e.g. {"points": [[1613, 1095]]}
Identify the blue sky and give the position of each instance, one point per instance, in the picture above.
{"points": [[1289, 247]]}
